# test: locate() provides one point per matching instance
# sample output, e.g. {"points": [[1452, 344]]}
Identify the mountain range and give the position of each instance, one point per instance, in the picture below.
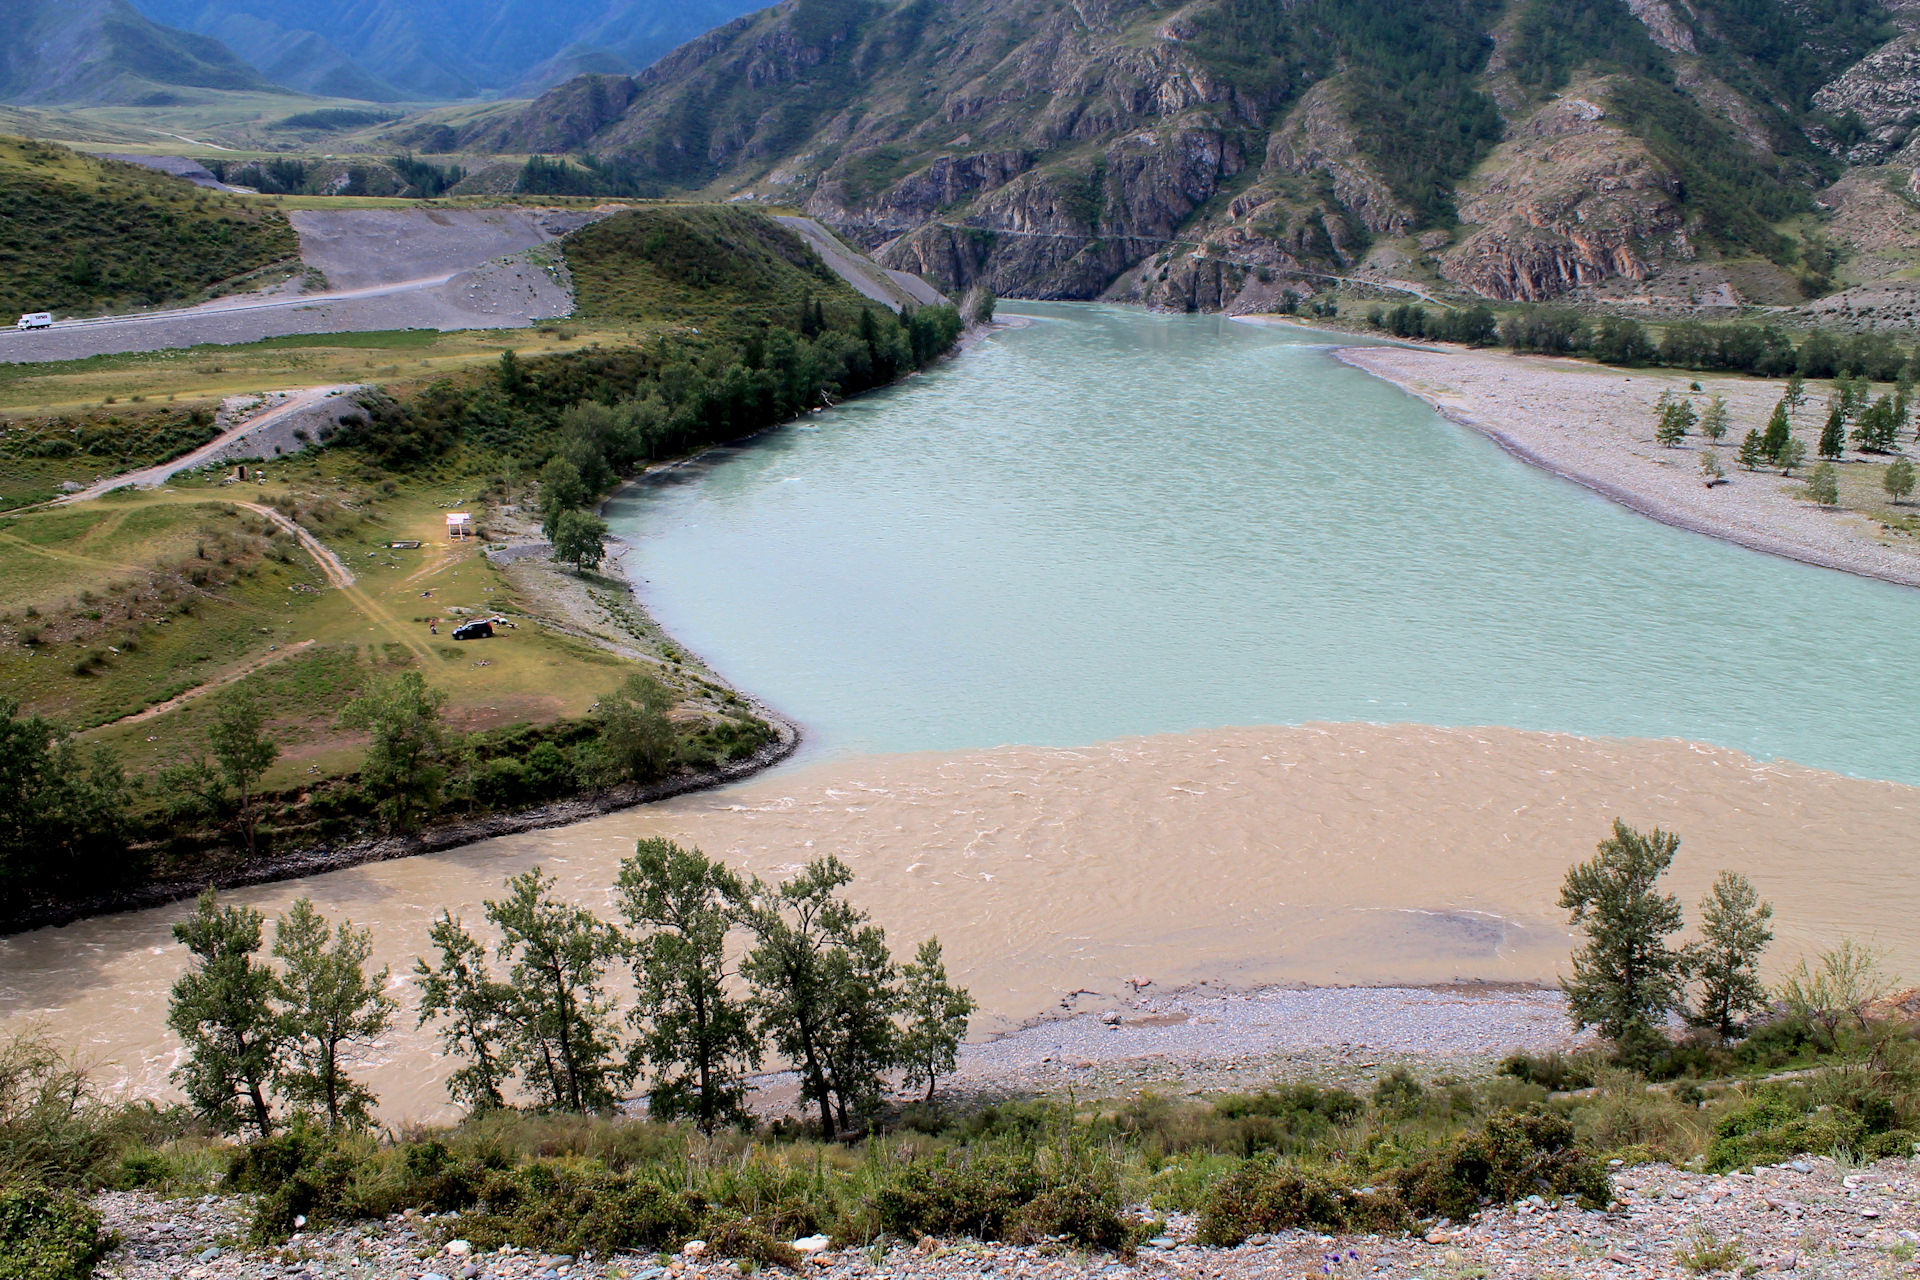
{"points": [[105, 51], [1205, 154], [394, 50]]}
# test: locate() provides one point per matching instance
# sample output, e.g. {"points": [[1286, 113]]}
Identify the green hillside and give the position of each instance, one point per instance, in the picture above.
{"points": [[78, 234], [695, 263], [105, 51]]}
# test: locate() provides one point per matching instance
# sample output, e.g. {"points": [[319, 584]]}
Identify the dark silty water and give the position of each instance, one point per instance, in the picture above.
{"points": [[1114, 523]]}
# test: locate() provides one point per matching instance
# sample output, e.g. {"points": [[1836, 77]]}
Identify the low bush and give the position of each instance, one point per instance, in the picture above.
{"points": [[968, 1194], [1516, 1155], [568, 1205], [1779, 1125], [1260, 1197], [47, 1235], [1555, 1072]]}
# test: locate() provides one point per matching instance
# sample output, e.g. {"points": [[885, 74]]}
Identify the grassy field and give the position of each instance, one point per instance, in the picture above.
{"points": [[79, 234], [118, 606], [208, 373]]}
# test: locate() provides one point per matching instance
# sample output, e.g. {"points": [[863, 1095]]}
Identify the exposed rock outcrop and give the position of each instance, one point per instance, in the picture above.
{"points": [[1570, 199]]}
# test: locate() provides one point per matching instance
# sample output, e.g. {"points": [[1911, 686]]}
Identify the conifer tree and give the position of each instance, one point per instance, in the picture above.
{"points": [[474, 1007], [222, 1007], [1778, 431], [1796, 396], [696, 1040], [1833, 436], [1713, 420], [1626, 980], [1897, 479], [1823, 486], [1753, 451], [936, 1015], [1791, 455], [1726, 960], [329, 1005]]}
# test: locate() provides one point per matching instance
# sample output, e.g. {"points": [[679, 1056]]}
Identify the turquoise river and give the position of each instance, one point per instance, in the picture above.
{"points": [[1113, 523]]}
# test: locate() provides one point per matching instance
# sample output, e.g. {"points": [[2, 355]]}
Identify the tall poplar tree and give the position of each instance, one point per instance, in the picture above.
{"points": [[473, 1009], [936, 1018], [1626, 980], [222, 1007], [561, 1036], [330, 1004], [696, 1041], [1726, 960]]}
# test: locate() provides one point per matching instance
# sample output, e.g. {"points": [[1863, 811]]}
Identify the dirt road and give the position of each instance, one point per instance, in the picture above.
{"points": [[152, 477]]}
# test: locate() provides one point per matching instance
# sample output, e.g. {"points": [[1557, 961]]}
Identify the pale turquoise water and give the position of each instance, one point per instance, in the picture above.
{"points": [[1116, 523]]}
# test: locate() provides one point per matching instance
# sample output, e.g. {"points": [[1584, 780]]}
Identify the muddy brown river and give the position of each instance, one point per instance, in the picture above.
{"points": [[1314, 855]]}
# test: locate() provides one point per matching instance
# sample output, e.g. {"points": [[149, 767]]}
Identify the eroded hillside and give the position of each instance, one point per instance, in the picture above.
{"points": [[1655, 152]]}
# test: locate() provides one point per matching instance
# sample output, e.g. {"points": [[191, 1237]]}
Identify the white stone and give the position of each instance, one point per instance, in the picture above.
{"points": [[812, 1244], [459, 1248]]}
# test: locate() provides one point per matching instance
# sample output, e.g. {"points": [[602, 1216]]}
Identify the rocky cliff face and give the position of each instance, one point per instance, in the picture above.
{"points": [[1213, 154], [1569, 199]]}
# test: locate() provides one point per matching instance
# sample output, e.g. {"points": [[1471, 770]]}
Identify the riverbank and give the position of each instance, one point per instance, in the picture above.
{"points": [[1812, 1216], [1594, 425], [1326, 856]]}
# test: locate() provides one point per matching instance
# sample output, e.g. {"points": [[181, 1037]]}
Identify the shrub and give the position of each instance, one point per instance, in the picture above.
{"points": [[1085, 1211], [47, 1235], [1555, 1072], [731, 1236], [568, 1205], [1516, 1155], [971, 1195], [1259, 1197], [1778, 1126]]}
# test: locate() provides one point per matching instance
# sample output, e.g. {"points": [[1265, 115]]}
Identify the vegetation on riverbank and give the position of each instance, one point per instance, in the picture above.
{"points": [[160, 604], [1822, 1063]]}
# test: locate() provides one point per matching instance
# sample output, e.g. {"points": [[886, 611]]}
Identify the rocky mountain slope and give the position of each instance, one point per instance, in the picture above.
{"points": [[388, 50], [104, 51], [1210, 154]]}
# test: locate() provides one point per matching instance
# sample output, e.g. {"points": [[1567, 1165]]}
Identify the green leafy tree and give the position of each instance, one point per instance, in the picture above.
{"points": [[1626, 979], [1823, 486], [1779, 431], [635, 732], [244, 752], [580, 539], [561, 490], [329, 1005], [1791, 455], [63, 812], [1714, 422], [222, 1008], [696, 1041], [936, 1018], [474, 1011], [1753, 451], [407, 759], [1710, 467], [1726, 960], [1833, 436], [818, 975], [1897, 479], [1796, 397], [563, 1039]]}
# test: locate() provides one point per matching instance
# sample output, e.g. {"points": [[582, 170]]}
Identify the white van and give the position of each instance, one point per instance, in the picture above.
{"points": [[35, 320]]}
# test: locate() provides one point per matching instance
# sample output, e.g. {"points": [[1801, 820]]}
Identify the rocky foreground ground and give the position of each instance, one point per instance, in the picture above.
{"points": [[1812, 1217]]}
